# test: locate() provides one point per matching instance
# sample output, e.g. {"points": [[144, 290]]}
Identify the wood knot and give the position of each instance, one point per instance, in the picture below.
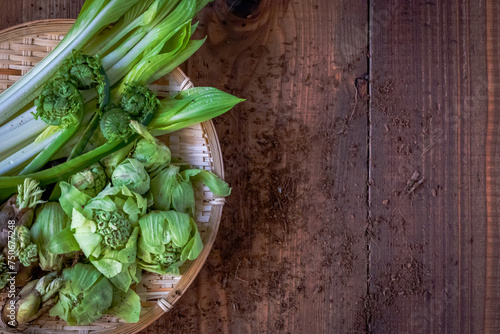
{"points": [[243, 8]]}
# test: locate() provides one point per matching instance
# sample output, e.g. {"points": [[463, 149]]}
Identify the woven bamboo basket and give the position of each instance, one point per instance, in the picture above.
{"points": [[22, 47]]}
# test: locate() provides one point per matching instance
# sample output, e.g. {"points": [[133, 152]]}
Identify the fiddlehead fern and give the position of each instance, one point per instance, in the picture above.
{"points": [[59, 103], [115, 124], [139, 102]]}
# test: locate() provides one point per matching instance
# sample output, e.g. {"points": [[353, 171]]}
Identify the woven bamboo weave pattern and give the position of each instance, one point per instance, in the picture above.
{"points": [[21, 48]]}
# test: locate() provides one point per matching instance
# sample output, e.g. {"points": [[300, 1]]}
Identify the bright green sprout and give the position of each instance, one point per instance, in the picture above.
{"points": [[114, 227]]}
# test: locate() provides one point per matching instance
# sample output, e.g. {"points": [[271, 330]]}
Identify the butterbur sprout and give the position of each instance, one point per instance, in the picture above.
{"points": [[131, 173]]}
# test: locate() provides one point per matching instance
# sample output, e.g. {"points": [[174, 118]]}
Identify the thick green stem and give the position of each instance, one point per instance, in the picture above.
{"points": [[43, 157], [8, 184], [94, 121], [85, 137]]}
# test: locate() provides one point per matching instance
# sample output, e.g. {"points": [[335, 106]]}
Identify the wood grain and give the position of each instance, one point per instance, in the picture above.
{"points": [[429, 115], [365, 194], [20, 11], [291, 252], [492, 279]]}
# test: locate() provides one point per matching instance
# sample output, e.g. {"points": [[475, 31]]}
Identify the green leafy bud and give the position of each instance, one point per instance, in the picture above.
{"points": [[59, 103], [29, 194], [139, 102], [168, 239], [106, 229], [115, 124], [91, 180], [86, 72], [28, 255], [114, 227], [24, 249], [85, 296], [131, 173], [153, 153], [49, 285], [172, 189], [50, 220], [82, 70]]}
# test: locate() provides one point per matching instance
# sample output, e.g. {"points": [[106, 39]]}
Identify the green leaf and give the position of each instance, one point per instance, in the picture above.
{"points": [[153, 226], [50, 221], [180, 57], [164, 53], [126, 305], [89, 242], [162, 186], [183, 199], [108, 266], [123, 280], [63, 309], [178, 226], [197, 245], [129, 253], [135, 272], [72, 198], [105, 204], [200, 104], [132, 174], [80, 222], [212, 181], [79, 278], [63, 242], [95, 302]]}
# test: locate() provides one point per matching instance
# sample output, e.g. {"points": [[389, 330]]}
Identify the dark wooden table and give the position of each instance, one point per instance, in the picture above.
{"points": [[366, 191]]}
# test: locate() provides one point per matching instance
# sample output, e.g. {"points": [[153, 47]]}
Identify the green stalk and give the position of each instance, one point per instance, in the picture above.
{"points": [[85, 137], [94, 122], [8, 184], [43, 157], [95, 16]]}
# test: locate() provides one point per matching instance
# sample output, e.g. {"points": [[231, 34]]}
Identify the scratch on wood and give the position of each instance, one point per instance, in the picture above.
{"points": [[413, 183]]}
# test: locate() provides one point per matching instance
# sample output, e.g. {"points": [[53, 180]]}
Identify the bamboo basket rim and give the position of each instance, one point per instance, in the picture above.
{"points": [[61, 26]]}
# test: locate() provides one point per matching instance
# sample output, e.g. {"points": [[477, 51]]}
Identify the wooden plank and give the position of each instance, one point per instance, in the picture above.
{"points": [[291, 253], [20, 11], [492, 186], [430, 108]]}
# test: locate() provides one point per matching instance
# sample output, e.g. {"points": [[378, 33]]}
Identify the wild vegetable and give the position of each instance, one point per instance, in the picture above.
{"points": [[36, 298], [106, 230], [110, 162], [115, 125], [168, 239], [189, 107], [139, 102], [154, 31], [173, 114], [91, 180], [131, 173], [85, 296], [86, 72], [173, 189], [25, 250], [94, 16], [121, 206], [125, 305], [19, 208], [50, 220], [151, 152], [60, 103]]}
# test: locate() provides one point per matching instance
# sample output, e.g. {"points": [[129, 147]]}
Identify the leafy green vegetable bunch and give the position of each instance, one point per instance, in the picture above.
{"points": [[118, 204]]}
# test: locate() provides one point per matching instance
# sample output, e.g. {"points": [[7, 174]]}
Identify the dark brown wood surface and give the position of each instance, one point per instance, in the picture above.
{"points": [[363, 165]]}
